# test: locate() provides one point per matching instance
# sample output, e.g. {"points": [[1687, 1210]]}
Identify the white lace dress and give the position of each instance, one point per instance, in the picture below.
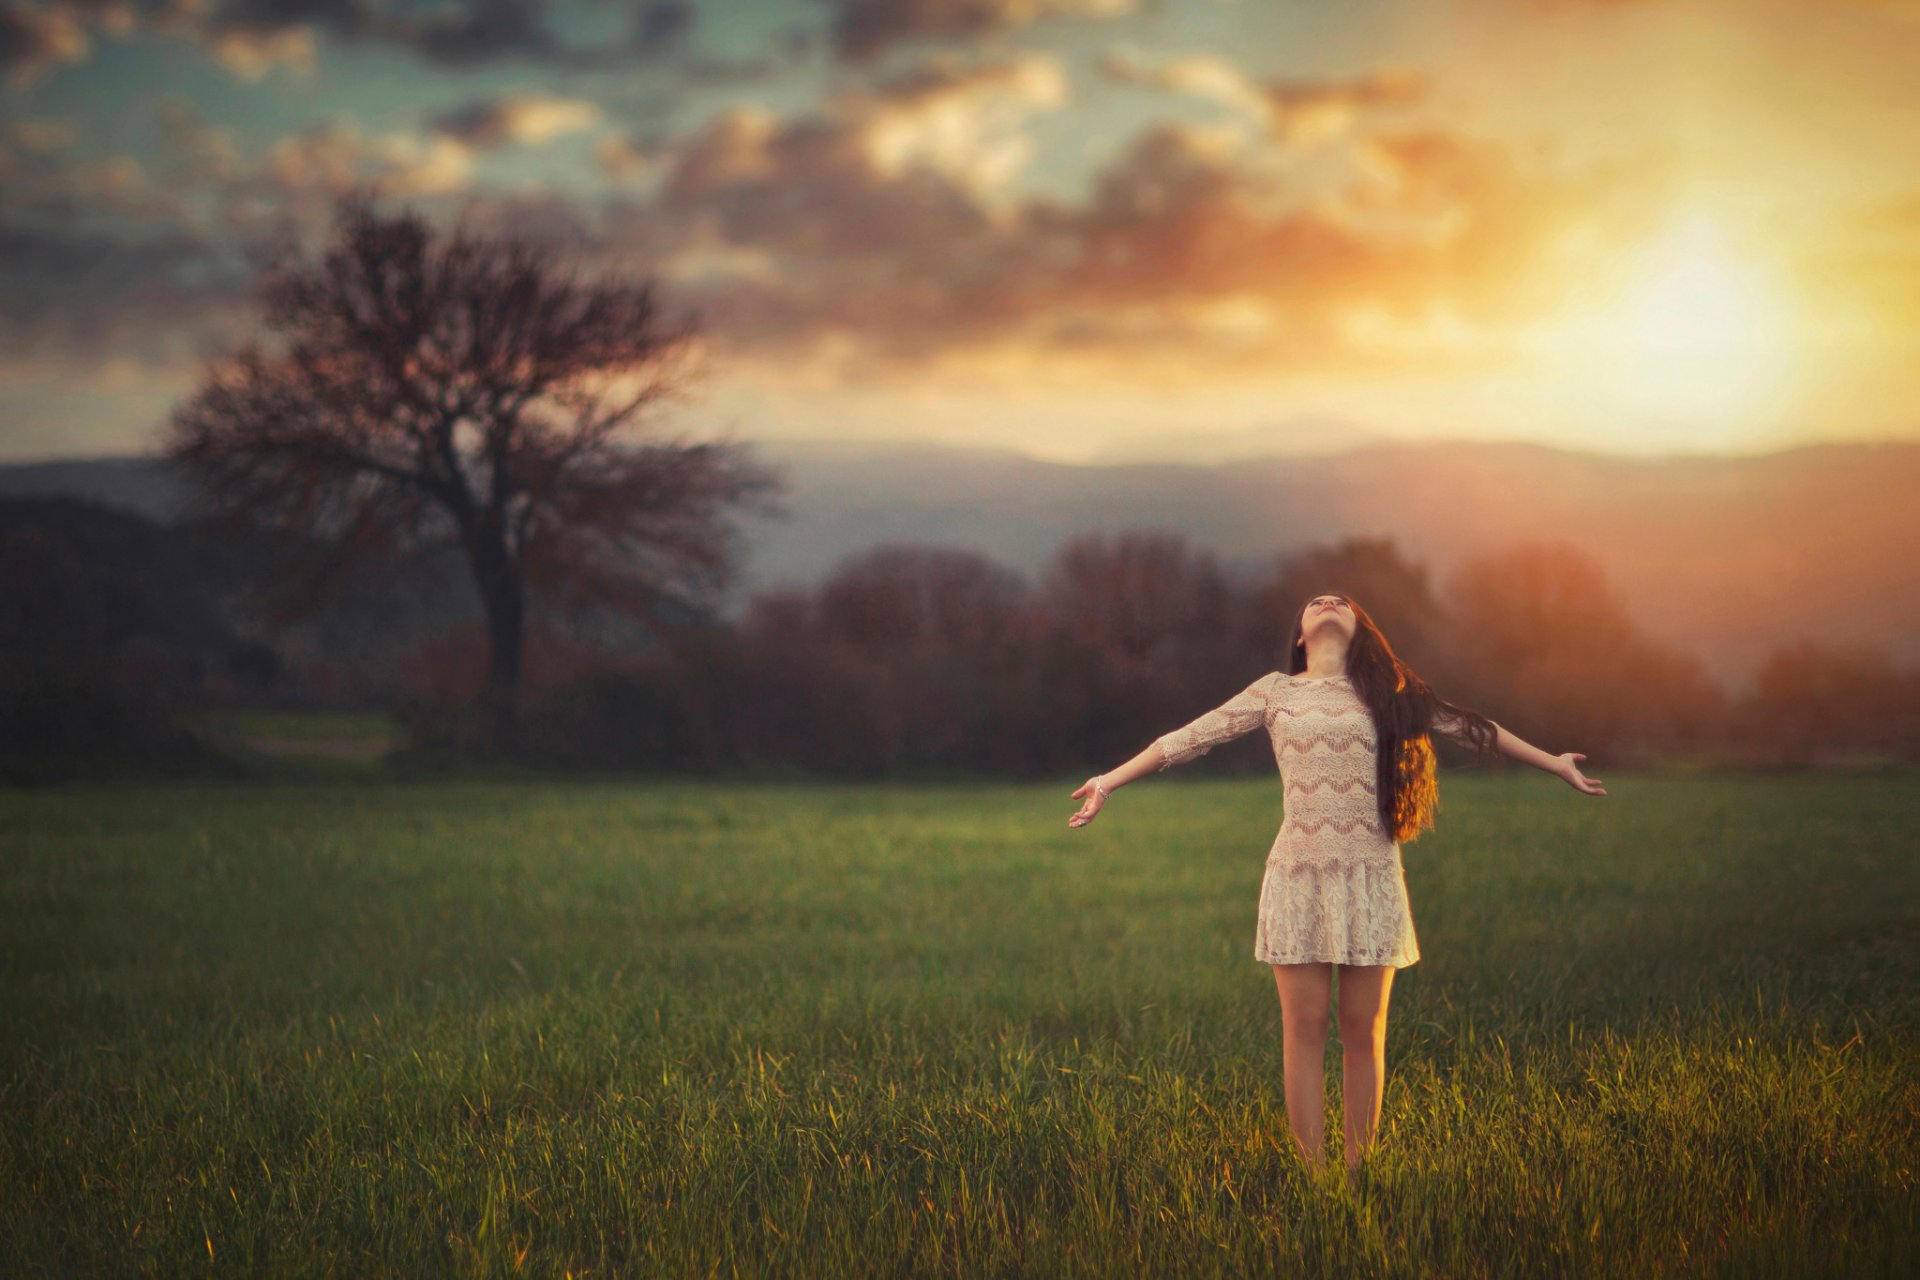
{"points": [[1333, 888]]}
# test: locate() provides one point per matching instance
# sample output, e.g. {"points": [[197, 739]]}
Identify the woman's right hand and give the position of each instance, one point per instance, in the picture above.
{"points": [[1096, 793]]}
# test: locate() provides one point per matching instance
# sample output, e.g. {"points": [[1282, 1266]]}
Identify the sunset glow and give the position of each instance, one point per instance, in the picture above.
{"points": [[1690, 332], [1065, 229]]}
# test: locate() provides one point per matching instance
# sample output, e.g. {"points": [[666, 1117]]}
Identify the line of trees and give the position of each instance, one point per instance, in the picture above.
{"points": [[916, 659], [922, 660]]}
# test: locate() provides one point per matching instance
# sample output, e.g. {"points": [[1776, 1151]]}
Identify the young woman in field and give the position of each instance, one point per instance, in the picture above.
{"points": [[1350, 725]]}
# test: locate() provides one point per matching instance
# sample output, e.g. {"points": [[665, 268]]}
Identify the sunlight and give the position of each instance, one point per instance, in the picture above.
{"points": [[1693, 335]]}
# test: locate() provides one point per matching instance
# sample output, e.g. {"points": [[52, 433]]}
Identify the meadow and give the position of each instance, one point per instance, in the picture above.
{"points": [[358, 1026]]}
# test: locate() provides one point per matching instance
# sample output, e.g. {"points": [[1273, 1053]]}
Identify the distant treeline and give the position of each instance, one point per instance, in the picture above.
{"points": [[926, 659], [907, 660]]}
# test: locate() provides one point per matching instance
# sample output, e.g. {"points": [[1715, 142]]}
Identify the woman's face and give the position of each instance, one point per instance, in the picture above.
{"points": [[1328, 611]]}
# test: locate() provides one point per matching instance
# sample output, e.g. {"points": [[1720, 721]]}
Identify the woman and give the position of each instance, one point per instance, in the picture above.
{"points": [[1350, 725]]}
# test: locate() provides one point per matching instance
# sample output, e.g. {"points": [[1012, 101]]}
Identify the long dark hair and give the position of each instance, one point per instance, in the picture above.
{"points": [[1404, 710]]}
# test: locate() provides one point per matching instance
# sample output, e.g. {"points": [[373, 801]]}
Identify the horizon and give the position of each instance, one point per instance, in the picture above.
{"points": [[858, 445]]}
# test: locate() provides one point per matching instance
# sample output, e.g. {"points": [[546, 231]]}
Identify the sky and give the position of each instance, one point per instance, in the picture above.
{"points": [[1089, 230]]}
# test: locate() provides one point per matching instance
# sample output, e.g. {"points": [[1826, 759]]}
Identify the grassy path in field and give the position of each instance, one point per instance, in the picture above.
{"points": [[671, 1029]]}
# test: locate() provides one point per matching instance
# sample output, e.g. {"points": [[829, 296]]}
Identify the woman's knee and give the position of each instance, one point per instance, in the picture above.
{"points": [[1303, 1028], [1369, 1033], [1305, 1019], [1368, 1029]]}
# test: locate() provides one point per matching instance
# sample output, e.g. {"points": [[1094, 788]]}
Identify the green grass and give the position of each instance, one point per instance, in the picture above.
{"points": [[299, 726], [684, 1029]]}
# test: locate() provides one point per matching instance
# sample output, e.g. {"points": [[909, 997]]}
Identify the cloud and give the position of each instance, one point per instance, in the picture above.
{"points": [[196, 180], [537, 213], [623, 157], [35, 41], [335, 156], [857, 215], [948, 122], [662, 26], [251, 54], [38, 136], [1298, 112], [251, 38], [480, 32], [38, 177], [864, 29], [519, 118], [78, 299], [458, 33], [1203, 75], [142, 257], [884, 230], [868, 235], [194, 154]]}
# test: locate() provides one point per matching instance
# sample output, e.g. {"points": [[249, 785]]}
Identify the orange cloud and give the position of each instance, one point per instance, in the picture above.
{"points": [[864, 29], [1198, 246], [1299, 112]]}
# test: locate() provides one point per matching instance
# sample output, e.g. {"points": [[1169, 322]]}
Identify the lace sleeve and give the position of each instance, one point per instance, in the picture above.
{"points": [[1240, 714]]}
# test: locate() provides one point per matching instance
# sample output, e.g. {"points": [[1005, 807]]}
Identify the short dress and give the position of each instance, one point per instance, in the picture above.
{"points": [[1334, 887]]}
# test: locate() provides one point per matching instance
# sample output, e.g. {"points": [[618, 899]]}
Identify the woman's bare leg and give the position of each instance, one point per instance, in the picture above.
{"points": [[1363, 1053], [1306, 994]]}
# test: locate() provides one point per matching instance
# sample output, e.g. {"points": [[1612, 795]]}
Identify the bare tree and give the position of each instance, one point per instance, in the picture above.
{"points": [[1144, 599], [465, 391], [902, 598]]}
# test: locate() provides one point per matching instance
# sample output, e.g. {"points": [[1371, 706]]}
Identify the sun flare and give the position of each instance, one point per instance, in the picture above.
{"points": [[1689, 332]]}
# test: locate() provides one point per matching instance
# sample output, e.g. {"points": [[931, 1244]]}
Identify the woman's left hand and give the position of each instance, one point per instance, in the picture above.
{"points": [[1577, 780]]}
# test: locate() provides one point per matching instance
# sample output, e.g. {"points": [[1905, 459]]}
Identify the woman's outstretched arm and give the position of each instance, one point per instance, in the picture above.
{"points": [[1238, 715], [1511, 744]]}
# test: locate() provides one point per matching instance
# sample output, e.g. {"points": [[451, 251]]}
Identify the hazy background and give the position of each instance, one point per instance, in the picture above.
{"points": [[1637, 283]]}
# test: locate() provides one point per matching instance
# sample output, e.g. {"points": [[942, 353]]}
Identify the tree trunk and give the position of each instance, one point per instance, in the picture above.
{"points": [[506, 603]]}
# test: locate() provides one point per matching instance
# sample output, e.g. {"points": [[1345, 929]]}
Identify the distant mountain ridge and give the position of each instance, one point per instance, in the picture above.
{"points": [[1726, 557]]}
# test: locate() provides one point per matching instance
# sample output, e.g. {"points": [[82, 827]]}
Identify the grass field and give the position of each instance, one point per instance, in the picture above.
{"points": [[603, 1029]]}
